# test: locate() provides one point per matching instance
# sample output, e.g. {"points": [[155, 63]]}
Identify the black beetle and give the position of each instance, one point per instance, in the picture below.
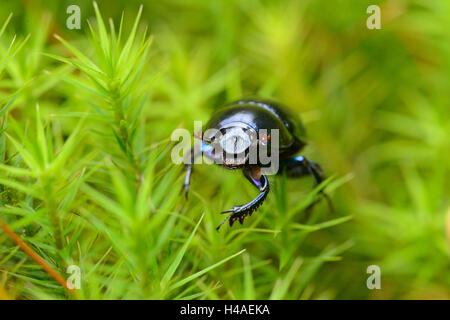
{"points": [[245, 123]]}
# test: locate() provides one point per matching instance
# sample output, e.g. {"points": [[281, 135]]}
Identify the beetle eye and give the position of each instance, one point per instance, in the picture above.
{"points": [[235, 141]]}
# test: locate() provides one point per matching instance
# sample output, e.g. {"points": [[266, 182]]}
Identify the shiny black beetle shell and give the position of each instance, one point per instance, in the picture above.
{"points": [[263, 114]]}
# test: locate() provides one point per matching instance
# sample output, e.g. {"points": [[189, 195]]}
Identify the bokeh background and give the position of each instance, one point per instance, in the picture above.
{"points": [[376, 106]]}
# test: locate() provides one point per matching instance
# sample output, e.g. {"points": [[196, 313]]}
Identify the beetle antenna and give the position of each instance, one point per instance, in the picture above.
{"points": [[198, 135]]}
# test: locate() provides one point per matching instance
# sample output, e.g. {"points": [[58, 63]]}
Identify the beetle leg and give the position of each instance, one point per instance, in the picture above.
{"points": [[196, 151], [300, 166], [240, 212]]}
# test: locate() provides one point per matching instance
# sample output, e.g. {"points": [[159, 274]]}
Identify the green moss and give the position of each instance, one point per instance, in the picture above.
{"points": [[86, 178]]}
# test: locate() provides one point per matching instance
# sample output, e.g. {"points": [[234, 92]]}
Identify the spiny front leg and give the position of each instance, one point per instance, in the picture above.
{"points": [[260, 181]]}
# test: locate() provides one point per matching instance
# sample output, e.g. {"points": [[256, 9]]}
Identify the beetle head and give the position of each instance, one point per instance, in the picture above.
{"points": [[232, 144]]}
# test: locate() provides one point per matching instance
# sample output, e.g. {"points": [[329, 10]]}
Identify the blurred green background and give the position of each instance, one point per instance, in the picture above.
{"points": [[376, 106]]}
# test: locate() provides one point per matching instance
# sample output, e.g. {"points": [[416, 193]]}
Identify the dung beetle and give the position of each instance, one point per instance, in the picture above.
{"points": [[246, 123]]}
